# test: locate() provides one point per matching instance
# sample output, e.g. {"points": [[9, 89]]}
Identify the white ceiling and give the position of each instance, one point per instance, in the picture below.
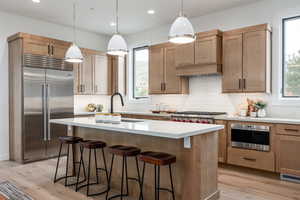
{"points": [[133, 13]]}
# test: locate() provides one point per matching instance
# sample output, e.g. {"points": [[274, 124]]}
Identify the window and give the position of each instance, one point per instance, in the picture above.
{"points": [[291, 57], [140, 72]]}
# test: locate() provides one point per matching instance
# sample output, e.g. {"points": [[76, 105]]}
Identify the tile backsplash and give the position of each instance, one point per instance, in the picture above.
{"points": [[205, 95]]}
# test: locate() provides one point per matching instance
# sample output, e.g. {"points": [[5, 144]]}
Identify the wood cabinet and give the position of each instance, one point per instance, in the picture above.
{"points": [[117, 74], [162, 71], [43, 46], [252, 158], [201, 57], [100, 74], [222, 155], [247, 60], [287, 149]]}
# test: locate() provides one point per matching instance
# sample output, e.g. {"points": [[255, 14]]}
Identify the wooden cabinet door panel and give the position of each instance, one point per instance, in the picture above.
{"points": [[121, 75], [222, 142], [288, 148], [185, 55], [156, 70], [100, 75], [86, 73], [59, 49], [254, 61], [38, 47], [232, 63], [172, 82], [206, 51], [77, 81]]}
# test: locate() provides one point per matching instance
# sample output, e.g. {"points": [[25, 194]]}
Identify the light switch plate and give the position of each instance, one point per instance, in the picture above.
{"points": [[187, 142]]}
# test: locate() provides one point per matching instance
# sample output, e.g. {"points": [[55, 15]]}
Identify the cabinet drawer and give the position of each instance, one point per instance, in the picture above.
{"points": [[287, 129], [252, 159]]}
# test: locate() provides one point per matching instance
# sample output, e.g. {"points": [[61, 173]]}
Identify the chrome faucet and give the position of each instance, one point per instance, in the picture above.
{"points": [[112, 101]]}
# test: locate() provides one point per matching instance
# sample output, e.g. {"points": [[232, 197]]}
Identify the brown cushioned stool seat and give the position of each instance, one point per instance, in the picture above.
{"points": [[124, 150], [157, 158], [93, 144], [70, 139]]}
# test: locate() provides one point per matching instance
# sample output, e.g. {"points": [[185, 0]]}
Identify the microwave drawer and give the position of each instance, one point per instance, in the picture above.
{"points": [[288, 129], [251, 158]]}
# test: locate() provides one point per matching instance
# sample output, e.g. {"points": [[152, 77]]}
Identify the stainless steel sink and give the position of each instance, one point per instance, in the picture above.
{"points": [[131, 120]]}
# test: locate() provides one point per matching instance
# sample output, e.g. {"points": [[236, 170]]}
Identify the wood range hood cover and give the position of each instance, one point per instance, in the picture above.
{"points": [[203, 57]]}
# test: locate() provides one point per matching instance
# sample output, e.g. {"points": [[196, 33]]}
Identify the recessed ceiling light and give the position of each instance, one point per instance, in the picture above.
{"points": [[36, 1], [151, 12], [112, 24]]}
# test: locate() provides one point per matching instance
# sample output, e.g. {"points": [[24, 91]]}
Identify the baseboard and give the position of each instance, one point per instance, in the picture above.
{"points": [[4, 157]]}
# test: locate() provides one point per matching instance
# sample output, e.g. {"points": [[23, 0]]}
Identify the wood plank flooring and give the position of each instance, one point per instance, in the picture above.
{"points": [[235, 183]]}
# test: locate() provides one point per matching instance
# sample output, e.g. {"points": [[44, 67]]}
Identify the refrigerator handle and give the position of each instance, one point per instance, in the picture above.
{"points": [[44, 111], [48, 111]]}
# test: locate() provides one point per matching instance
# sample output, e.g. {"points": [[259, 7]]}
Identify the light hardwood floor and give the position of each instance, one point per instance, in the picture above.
{"points": [[235, 183]]}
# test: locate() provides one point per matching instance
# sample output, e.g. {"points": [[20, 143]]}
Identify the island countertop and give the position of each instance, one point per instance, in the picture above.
{"points": [[166, 129]]}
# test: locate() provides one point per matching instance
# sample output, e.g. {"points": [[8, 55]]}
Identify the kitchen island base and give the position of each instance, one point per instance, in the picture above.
{"points": [[194, 173]]}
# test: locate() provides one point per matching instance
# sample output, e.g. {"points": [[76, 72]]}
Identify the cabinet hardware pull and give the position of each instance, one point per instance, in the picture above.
{"points": [[161, 86], [52, 47], [249, 159], [164, 84], [240, 83], [83, 86], [288, 129], [96, 88], [244, 83], [49, 49]]}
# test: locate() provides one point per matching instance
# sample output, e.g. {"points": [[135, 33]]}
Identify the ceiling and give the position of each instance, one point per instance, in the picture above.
{"points": [[96, 15]]}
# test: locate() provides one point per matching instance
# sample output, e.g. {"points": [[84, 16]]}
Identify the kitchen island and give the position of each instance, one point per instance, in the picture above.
{"points": [[194, 145]]}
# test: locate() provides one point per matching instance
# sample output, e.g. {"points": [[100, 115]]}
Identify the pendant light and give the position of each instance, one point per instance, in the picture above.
{"points": [[117, 45], [182, 30], [74, 54]]}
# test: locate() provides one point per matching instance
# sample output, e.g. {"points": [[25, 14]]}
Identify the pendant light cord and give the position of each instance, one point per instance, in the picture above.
{"points": [[117, 16], [74, 21], [181, 8]]}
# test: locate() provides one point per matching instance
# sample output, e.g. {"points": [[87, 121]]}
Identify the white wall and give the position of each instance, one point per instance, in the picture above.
{"points": [[205, 91], [11, 24]]}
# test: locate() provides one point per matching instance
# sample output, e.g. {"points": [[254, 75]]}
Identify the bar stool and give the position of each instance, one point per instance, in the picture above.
{"points": [[68, 140], [124, 151], [92, 145], [157, 159]]}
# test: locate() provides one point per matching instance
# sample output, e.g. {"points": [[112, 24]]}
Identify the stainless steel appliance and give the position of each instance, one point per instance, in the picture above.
{"points": [[245, 136], [195, 117], [48, 94]]}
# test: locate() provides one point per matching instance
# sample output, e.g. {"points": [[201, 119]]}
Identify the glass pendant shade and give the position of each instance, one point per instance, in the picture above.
{"points": [[182, 31], [117, 46], [74, 54]]}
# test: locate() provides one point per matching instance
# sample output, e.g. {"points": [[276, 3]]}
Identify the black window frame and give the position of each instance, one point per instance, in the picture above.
{"points": [[133, 71], [283, 57]]}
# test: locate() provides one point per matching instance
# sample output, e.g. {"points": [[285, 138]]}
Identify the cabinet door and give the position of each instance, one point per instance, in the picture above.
{"points": [[121, 74], [185, 55], [38, 47], [100, 75], [232, 63], [173, 83], [288, 148], [222, 142], [59, 49], [86, 74], [77, 79], [206, 51], [156, 70], [254, 61]]}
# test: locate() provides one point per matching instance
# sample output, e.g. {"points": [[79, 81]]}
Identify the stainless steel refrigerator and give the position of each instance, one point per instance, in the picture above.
{"points": [[48, 94]]}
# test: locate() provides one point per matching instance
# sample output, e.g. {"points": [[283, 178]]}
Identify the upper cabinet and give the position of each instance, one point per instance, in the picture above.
{"points": [[201, 57], [163, 77], [247, 60], [38, 45]]}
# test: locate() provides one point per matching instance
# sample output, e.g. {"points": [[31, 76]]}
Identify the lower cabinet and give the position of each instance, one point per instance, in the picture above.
{"points": [[252, 159], [288, 149], [222, 155]]}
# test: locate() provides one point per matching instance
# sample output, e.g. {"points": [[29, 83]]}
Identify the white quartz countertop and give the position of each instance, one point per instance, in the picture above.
{"points": [[166, 129], [129, 112], [257, 119]]}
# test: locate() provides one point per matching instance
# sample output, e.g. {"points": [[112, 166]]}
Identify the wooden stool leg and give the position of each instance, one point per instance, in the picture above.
{"points": [[57, 164], [67, 165], [171, 179]]}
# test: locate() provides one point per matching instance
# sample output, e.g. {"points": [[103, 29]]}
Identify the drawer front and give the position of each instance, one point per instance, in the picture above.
{"points": [[252, 159], [287, 129]]}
